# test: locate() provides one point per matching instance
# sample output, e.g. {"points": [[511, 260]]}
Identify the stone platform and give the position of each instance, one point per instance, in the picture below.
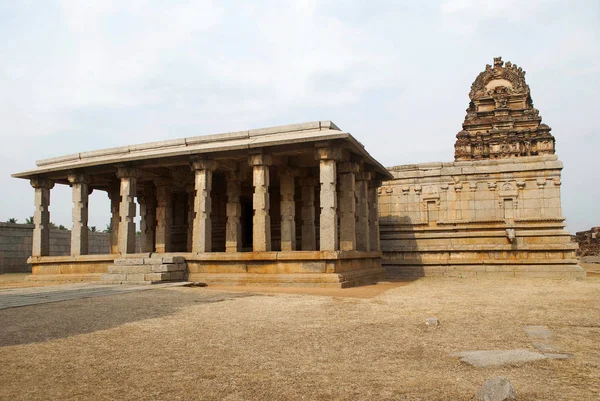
{"points": [[329, 269]]}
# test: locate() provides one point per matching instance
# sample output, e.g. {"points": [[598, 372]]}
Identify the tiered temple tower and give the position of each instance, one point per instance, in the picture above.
{"points": [[501, 121]]}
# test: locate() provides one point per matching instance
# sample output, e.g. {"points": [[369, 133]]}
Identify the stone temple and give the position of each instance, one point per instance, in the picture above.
{"points": [[289, 205], [307, 205], [495, 211]]}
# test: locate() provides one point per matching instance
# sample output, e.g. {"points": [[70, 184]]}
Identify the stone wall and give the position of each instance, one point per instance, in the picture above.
{"points": [[476, 218], [589, 242], [16, 240]]}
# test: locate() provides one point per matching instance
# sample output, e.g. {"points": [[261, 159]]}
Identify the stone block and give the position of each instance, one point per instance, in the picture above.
{"points": [[157, 277], [136, 276], [129, 261]]}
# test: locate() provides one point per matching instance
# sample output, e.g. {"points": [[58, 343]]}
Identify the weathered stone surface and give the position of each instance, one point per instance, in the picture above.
{"points": [[496, 389], [487, 358], [538, 332]]}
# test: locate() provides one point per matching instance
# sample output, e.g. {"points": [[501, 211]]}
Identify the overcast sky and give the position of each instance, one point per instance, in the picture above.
{"points": [[84, 75]]}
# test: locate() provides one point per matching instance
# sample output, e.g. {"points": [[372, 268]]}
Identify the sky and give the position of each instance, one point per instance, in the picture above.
{"points": [[85, 75]]}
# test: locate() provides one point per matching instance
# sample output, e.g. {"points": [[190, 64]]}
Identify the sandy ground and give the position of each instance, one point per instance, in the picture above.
{"points": [[213, 344]]}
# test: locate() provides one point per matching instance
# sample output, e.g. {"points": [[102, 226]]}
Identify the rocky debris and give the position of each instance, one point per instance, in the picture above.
{"points": [[432, 322], [589, 242], [487, 358], [496, 389]]}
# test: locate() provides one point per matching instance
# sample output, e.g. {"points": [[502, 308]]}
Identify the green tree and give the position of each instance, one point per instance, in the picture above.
{"points": [[93, 229], [12, 220], [108, 228], [29, 220]]}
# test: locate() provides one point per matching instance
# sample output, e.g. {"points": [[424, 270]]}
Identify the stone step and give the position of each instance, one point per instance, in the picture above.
{"points": [[149, 261], [129, 278], [146, 268]]}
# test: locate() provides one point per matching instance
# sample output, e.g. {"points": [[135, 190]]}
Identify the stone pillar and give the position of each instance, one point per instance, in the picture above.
{"points": [[147, 201], [308, 237], [114, 194], [327, 157], [79, 232], [41, 216], [287, 188], [261, 230], [374, 216], [164, 217], [127, 208], [202, 225], [191, 193], [233, 229], [348, 206], [363, 242]]}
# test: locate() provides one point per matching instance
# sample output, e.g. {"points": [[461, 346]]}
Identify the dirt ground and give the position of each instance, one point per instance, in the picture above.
{"points": [[212, 344]]}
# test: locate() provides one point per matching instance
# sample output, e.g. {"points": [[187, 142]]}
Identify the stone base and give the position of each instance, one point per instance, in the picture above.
{"points": [[146, 270], [319, 280], [336, 269], [69, 269], [569, 270]]}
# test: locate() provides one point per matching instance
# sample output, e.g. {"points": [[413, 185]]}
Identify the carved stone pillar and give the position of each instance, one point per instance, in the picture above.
{"points": [[191, 193], [308, 229], [233, 229], [363, 242], [147, 201], [287, 188], [327, 157], [261, 230], [41, 216], [374, 216], [202, 225], [114, 194], [164, 217], [348, 206], [127, 209], [79, 232]]}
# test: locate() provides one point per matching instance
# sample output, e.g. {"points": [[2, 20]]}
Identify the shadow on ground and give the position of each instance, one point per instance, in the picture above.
{"points": [[30, 324]]}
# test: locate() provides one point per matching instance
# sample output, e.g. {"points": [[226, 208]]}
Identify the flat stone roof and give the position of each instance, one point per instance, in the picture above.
{"points": [[316, 131]]}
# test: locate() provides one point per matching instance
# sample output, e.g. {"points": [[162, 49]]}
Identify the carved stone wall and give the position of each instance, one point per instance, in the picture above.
{"points": [[476, 218], [501, 121]]}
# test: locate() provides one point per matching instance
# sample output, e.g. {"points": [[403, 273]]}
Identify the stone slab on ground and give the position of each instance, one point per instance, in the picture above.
{"points": [[538, 332], [496, 389], [15, 297], [487, 358]]}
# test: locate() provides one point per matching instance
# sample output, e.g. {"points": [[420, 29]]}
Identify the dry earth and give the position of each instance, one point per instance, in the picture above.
{"points": [[213, 344]]}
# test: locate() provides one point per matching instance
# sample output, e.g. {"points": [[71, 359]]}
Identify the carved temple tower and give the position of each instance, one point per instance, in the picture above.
{"points": [[501, 121]]}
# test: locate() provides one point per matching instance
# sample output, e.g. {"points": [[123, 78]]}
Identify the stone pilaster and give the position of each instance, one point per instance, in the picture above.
{"points": [[127, 209], [233, 228], [202, 225], [327, 157], [164, 217], [308, 229], [114, 194], [374, 244], [79, 232], [363, 242], [287, 188], [41, 216], [261, 230], [147, 201], [348, 171]]}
